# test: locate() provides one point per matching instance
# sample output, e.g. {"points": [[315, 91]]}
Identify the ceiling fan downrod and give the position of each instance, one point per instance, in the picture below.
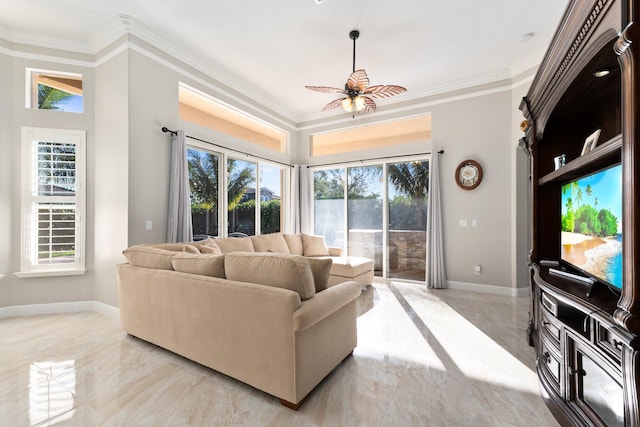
{"points": [[353, 35]]}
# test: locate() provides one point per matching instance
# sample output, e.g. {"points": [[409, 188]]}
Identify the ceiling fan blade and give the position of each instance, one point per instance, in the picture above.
{"points": [[369, 104], [358, 79], [325, 89], [384, 91], [333, 104]]}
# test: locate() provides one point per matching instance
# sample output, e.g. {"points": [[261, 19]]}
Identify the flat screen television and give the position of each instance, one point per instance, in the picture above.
{"points": [[591, 225]]}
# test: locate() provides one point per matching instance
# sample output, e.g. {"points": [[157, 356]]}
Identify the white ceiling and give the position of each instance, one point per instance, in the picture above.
{"points": [[271, 50]]}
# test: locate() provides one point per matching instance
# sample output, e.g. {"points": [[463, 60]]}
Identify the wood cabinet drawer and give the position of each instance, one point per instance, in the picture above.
{"points": [[549, 365], [609, 343], [551, 327]]}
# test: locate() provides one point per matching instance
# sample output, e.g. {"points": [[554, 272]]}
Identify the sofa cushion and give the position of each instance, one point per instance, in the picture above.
{"points": [[351, 266], [149, 256], [314, 245], [234, 244], [271, 269], [270, 243], [176, 247], [320, 267], [202, 264], [210, 250], [294, 242]]}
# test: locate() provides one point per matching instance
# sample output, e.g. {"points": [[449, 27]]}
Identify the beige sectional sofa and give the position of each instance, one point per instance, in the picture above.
{"points": [[269, 319]]}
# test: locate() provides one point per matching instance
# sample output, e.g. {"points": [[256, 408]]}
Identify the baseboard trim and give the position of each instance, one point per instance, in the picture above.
{"points": [[106, 309], [488, 289], [59, 308]]}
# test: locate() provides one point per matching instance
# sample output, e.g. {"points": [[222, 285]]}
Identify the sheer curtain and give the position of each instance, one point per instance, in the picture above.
{"points": [[306, 200], [179, 227], [295, 198], [435, 253]]}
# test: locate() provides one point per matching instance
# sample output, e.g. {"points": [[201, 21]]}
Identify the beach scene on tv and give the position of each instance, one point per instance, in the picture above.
{"points": [[592, 225]]}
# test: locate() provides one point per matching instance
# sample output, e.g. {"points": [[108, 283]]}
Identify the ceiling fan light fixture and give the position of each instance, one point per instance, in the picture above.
{"points": [[352, 105], [359, 103], [358, 95], [347, 104]]}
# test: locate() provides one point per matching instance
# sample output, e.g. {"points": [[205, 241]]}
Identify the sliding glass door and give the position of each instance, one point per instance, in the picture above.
{"points": [[328, 207], [408, 190], [365, 192], [382, 207]]}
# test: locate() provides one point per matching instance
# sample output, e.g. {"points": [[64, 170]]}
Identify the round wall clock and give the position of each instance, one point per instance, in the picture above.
{"points": [[468, 174]]}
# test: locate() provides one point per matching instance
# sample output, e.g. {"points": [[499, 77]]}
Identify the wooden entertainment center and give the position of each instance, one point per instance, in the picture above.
{"points": [[586, 340]]}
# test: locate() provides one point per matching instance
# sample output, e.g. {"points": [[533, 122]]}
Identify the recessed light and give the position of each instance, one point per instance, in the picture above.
{"points": [[602, 73]]}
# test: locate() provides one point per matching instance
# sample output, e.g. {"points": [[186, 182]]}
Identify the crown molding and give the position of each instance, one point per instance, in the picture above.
{"points": [[49, 41], [223, 81]]}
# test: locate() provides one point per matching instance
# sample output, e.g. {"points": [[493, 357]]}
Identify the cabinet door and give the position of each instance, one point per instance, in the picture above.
{"points": [[595, 386]]}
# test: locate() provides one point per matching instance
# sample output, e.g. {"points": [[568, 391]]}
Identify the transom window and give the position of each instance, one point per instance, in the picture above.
{"points": [[54, 90], [387, 134], [202, 109]]}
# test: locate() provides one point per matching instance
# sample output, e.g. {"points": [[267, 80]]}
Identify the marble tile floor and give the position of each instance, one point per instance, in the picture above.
{"points": [[424, 358]]}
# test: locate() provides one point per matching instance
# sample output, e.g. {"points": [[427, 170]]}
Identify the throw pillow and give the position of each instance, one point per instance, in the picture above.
{"points": [[314, 245], [213, 250], [176, 247], [294, 242], [271, 269], [235, 244], [203, 264], [270, 243], [321, 268], [149, 257]]}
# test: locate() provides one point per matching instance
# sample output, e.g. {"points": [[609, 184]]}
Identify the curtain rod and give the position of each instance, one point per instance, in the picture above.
{"points": [[173, 132], [375, 158]]}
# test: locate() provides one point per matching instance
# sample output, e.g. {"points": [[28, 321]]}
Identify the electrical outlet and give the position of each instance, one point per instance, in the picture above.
{"points": [[476, 270], [148, 225]]}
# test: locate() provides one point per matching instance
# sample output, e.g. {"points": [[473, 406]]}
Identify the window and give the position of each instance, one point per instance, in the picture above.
{"points": [[199, 108], [53, 197], [242, 210], [53, 90], [388, 134], [203, 183], [241, 196]]}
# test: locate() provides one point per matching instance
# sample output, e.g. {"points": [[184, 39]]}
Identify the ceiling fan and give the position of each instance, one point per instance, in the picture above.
{"points": [[359, 95]]}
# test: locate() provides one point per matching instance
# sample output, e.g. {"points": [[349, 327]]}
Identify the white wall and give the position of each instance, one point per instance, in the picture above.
{"points": [[111, 187], [6, 156]]}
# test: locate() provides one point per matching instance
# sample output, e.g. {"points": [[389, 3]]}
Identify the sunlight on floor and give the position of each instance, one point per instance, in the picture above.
{"points": [[449, 341]]}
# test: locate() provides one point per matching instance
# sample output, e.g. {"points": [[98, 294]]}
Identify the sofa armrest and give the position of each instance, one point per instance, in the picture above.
{"points": [[334, 251], [324, 303]]}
